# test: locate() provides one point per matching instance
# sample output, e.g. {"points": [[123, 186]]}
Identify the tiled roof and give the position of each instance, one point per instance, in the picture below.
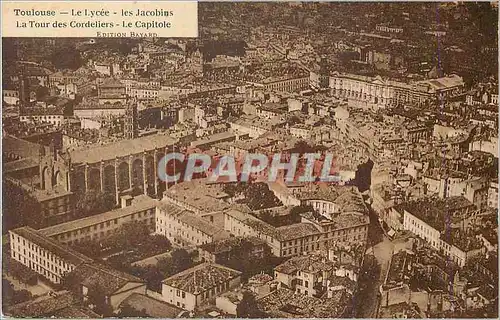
{"points": [[297, 230], [285, 303], [434, 211], [122, 148], [342, 282], [111, 83], [189, 218], [109, 280], [154, 308], [201, 278], [199, 194], [44, 306], [308, 263], [226, 245]]}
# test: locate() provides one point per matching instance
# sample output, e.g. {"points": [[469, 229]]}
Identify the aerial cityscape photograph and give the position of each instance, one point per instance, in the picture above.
{"points": [[295, 160]]}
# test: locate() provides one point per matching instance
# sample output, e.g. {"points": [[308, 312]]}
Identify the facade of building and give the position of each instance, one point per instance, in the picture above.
{"points": [[98, 227], [458, 252], [111, 91], [50, 114], [493, 194], [285, 83], [43, 255], [193, 287], [183, 227], [305, 237], [314, 276], [378, 91]]}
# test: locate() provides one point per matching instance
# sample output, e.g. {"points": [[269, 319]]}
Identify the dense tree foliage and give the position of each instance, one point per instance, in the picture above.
{"points": [[19, 207], [178, 261], [258, 196], [93, 202], [66, 57], [247, 308], [10, 296], [126, 311], [97, 300]]}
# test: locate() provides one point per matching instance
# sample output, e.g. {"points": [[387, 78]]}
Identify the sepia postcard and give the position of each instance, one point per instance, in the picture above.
{"points": [[184, 159]]}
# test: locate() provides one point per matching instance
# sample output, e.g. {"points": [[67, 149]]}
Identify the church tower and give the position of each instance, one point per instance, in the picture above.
{"points": [[131, 128]]}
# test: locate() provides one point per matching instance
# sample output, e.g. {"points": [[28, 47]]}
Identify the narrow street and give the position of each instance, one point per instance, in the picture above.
{"points": [[378, 256]]}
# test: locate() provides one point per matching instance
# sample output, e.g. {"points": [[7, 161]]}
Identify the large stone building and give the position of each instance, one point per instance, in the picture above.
{"points": [[111, 91], [120, 168], [43, 255], [443, 224], [381, 92], [97, 227], [184, 227]]}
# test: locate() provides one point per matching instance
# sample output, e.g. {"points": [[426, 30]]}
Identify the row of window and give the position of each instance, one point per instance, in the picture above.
{"points": [[110, 223], [49, 270], [43, 117]]}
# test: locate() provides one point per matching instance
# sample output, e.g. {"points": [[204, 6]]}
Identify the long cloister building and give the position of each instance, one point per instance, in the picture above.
{"points": [[124, 167]]}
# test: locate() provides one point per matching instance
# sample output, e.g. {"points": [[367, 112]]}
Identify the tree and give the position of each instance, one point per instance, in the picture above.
{"points": [[94, 202], [88, 247], [129, 235], [152, 276], [127, 311], [97, 298], [302, 147], [71, 282], [248, 308], [259, 197], [233, 189], [41, 92], [21, 209], [181, 260], [11, 296], [66, 57]]}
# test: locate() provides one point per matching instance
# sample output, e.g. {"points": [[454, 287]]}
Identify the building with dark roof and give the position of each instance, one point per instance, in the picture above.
{"points": [[111, 91], [312, 234], [113, 284], [150, 306], [58, 305]]}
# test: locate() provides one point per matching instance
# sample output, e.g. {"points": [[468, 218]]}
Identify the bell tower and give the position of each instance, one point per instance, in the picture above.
{"points": [[131, 128]]}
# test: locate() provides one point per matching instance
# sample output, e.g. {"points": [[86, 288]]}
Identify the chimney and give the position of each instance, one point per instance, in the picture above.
{"points": [[126, 201], [440, 302], [22, 91]]}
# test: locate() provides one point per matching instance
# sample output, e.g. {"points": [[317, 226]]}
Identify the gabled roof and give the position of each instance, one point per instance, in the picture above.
{"points": [[107, 279], [44, 306]]}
